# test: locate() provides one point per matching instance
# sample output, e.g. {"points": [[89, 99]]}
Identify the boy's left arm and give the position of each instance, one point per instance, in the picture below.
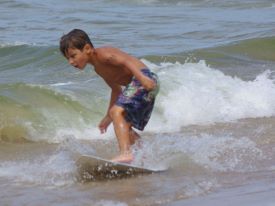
{"points": [[146, 82], [121, 59]]}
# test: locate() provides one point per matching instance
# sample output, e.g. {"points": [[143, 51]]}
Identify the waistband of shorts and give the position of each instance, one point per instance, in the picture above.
{"points": [[148, 72], [145, 70]]}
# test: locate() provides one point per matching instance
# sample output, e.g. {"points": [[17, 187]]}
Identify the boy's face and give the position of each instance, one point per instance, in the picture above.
{"points": [[77, 58]]}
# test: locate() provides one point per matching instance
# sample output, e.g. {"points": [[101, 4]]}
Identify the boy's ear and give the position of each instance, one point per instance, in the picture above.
{"points": [[87, 48]]}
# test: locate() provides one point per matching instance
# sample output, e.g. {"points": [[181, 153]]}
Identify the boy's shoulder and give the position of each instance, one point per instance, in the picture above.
{"points": [[107, 49], [107, 52]]}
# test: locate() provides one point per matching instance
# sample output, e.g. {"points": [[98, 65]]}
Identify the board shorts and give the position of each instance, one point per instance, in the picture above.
{"points": [[137, 101]]}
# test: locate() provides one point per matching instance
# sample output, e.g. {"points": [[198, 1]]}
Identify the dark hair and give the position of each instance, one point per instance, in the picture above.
{"points": [[74, 39]]}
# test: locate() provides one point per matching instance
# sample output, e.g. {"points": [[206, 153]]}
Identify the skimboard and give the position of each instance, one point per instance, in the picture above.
{"points": [[96, 168]]}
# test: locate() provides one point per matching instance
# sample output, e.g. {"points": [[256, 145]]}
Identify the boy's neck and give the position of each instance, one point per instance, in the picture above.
{"points": [[92, 56]]}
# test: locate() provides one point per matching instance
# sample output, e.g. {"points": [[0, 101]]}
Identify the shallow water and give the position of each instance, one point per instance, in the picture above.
{"points": [[213, 124]]}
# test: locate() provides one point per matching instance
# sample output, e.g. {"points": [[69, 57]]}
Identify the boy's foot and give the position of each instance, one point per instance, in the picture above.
{"points": [[124, 158]]}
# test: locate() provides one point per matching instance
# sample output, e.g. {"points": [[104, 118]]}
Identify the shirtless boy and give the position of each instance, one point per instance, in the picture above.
{"points": [[130, 106]]}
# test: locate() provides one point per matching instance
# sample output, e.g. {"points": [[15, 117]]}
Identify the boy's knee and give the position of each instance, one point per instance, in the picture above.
{"points": [[116, 111]]}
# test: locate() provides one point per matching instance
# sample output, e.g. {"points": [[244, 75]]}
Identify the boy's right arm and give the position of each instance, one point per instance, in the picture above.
{"points": [[106, 121], [116, 90]]}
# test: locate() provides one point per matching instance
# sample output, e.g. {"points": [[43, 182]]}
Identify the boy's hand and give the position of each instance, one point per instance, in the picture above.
{"points": [[104, 123], [148, 83]]}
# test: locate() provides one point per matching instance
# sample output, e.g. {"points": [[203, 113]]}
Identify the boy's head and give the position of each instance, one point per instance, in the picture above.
{"points": [[74, 39]]}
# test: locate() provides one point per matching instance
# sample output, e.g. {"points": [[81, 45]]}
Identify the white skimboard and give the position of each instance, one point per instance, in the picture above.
{"points": [[96, 168]]}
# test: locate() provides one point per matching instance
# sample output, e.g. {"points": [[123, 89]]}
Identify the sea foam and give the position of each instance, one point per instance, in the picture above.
{"points": [[195, 94]]}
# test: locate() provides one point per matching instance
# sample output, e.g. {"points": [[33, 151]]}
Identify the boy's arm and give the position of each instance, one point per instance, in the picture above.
{"points": [[116, 90], [146, 82], [121, 59], [106, 121]]}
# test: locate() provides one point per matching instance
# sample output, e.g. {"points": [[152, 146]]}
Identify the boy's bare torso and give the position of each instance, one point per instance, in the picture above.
{"points": [[109, 64]]}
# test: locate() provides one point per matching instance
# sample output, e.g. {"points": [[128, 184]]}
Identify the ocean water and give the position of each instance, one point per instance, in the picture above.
{"points": [[212, 126]]}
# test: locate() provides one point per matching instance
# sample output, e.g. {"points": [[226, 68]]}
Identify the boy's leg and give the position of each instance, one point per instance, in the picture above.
{"points": [[134, 136], [122, 130]]}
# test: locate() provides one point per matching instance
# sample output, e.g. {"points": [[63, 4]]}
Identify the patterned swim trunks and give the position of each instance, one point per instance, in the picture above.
{"points": [[137, 101]]}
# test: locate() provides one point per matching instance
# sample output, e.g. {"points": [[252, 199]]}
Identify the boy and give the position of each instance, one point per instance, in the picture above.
{"points": [[129, 107]]}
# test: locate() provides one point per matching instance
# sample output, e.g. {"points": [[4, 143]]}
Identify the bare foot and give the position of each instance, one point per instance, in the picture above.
{"points": [[124, 158]]}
